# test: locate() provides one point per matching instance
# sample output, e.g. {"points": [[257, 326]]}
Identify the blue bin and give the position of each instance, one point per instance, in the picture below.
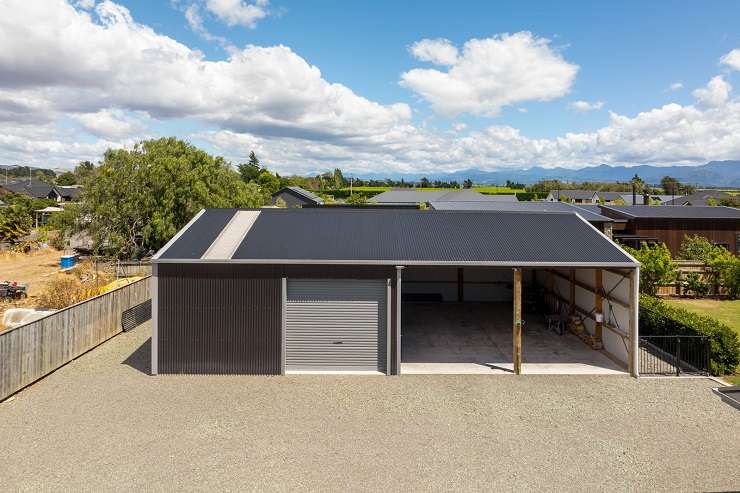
{"points": [[67, 261]]}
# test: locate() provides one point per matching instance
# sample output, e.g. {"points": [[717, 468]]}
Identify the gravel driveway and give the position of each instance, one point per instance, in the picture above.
{"points": [[101, 423]]}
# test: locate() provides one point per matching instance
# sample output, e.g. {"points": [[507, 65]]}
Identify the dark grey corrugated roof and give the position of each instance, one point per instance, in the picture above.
{"points": [[674, 211], [35, 188], [548, 207], [699, 198], [407, 196], [406, 237], [305, 193]]}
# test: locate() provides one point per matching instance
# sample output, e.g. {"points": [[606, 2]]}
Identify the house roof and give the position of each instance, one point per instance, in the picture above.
{"points": [[303, 193], [574, 194], [545, 207], [34, 188], [673, 212], [392, 237], [699, 198], [70, 192], [640, 199], [416, 196], [609, 195]]}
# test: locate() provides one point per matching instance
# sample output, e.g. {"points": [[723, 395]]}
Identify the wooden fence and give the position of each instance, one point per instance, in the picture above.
{"points": [[684, 267], [33, 350]]}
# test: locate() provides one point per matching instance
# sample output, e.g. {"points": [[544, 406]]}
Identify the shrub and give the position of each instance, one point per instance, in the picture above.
{"points": [[659, 318], [356, 199], [726, 267], [694, 284], [695, 247], [656, 267]]}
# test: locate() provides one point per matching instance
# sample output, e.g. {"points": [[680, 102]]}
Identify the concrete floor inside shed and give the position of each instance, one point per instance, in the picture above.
{"points": [[468, 338]]}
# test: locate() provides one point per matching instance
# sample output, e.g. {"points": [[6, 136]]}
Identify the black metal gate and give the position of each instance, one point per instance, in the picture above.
{"points": [[674, 355]]}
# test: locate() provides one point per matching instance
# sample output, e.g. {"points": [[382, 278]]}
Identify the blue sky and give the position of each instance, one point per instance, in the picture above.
{"points": [[406, 108]]}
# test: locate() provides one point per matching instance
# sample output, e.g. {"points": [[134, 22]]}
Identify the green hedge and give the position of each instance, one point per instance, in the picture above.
{"points": [[659, 318]]}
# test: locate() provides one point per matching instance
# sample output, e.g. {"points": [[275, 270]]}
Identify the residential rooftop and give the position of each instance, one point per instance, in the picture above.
{"points": [[674, 212], [590, 215]]}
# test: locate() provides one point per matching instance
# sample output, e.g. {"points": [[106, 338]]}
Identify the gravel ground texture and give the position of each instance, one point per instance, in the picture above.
{"points": [[102, 423]]}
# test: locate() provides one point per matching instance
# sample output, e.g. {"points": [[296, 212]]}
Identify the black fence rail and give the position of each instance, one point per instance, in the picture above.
{"points": [[674, 355]]}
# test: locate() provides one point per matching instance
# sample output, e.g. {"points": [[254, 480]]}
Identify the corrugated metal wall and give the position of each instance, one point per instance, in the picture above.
{"points": [[337, 324], [226, 318], [218, 319]]}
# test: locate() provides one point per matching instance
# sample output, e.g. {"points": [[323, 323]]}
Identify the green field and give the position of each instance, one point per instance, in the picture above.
{"points": [[726, 311], [491, 189]]}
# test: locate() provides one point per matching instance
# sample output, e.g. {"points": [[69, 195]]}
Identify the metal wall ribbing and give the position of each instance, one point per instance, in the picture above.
{"points": [[215, 319]]}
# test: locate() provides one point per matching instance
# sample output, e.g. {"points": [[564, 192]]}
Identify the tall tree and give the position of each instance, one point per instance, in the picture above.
{"points": [[339, 181], [138, 199]]}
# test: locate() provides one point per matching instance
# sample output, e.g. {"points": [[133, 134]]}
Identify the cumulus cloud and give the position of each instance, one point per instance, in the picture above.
{"points": [[110, 123], [111, 77], [114, 62], [731, 59], [439, 51], [583, 106], [675, 86], [716, 92], [238, 12], [489, 73]]}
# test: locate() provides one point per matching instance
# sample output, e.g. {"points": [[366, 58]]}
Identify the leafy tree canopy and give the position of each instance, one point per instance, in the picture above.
{"points": [[137, 199], [66, 178]]}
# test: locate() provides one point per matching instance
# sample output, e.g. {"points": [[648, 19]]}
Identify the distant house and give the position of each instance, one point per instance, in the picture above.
{"points": [[69, 193], [32, 188], [655, 199], [704, 197], [610, 197], [575, 196], [296, 197], [669, 225], [419, 196]]}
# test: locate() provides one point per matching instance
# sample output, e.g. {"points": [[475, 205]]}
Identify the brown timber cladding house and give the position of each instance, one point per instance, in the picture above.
{"points": [[289, 290], [671, 224]]}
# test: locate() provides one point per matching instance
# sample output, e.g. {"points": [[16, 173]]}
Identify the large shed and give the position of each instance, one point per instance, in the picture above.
{"points": [[299, 290]]}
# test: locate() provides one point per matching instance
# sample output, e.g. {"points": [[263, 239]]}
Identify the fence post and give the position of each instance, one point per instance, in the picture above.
{"points": [[678, 357]]}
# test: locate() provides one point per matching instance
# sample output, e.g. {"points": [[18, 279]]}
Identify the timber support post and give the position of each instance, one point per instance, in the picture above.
{"points": [[598, 304], [517, 326]]}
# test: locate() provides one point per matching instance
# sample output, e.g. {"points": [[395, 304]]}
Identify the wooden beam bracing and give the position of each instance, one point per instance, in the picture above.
{"points": [[585, 286], [598, 303]]}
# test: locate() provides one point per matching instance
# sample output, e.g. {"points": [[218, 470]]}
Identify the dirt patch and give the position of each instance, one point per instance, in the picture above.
{"points": [[33, 269]]}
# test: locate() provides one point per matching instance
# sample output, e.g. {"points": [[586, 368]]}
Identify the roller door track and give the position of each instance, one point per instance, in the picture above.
{"points": [[335, 325]]}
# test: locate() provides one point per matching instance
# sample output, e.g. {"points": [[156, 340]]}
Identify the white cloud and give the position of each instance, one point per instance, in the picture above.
{"points": [[716, 93], [731, 59], [439, 51], [490, 73], [118, 63], [459, 126], [238, 12], [85, 4], [583, 106], [110, 123], [113, 75], [675, 86], [522, 110]]}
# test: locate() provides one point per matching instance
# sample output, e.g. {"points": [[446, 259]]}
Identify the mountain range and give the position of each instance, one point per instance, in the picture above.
{"points": [[721, 174]]}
